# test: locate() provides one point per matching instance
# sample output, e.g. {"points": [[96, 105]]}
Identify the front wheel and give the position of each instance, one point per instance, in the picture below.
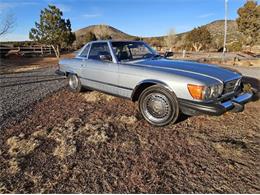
{"points": [[159, 106], [74, 83]]}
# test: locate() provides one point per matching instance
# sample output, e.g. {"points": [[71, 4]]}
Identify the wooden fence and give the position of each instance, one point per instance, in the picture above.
{"points": [[26, 51]]}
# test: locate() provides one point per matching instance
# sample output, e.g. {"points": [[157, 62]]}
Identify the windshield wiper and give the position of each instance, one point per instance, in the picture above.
{"points": [[157, 56]]}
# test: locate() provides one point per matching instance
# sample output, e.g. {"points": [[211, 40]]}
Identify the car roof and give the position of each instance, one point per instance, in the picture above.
{"points": [[110, 40]]}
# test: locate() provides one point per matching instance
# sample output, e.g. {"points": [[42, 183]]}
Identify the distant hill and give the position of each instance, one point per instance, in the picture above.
{"points": [[100, 30], [216, 29]]}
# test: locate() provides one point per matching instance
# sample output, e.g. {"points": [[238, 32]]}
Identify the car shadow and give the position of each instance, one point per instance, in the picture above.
{"points": [[182, 117], [255, 83]]}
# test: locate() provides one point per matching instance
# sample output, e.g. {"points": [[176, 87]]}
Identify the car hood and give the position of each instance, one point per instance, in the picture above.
{"points": [[207, 70]]}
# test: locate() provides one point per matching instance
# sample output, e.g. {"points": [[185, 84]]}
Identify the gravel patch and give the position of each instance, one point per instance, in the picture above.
{"points": [[21, 90]]}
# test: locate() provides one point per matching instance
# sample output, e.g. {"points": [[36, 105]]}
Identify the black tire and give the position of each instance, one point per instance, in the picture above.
{"points": [[74, 83], [159, 106]]}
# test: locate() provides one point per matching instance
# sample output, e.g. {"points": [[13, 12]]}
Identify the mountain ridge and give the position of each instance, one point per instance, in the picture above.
{"points": [[99, 27], [216, 29]]}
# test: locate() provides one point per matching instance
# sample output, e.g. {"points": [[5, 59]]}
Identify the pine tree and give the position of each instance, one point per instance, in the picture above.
{"points": [[249, 22], [199, 38], [53, 30]]}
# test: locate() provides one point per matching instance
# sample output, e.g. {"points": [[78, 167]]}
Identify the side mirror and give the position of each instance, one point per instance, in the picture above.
{"points": [[106, 58], [168, 54]]}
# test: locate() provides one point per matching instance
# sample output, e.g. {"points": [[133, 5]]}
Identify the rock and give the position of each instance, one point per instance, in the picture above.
{"points": [[40, 133], [81, 110], [128, 119], [21, 135]]}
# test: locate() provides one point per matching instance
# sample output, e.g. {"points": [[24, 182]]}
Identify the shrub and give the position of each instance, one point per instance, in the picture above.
{"points": [[235, 46]]}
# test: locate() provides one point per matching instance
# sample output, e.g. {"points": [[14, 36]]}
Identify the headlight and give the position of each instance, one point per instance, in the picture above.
{"points": [[205, 92], [238, 83], [216, 91]]}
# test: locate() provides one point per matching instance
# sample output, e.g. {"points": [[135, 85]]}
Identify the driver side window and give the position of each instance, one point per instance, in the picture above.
{"points": [[99, 49]]}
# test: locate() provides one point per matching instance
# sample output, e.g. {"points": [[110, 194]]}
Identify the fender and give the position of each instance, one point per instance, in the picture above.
{"points": [[148, 82], [70, 71]]}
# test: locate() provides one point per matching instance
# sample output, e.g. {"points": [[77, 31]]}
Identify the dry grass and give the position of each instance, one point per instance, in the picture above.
{"points": [[19, 64], [3, 189], [65, 147], [21, 147], [95, 96], [23, 69], [128, 119], [248, 63], [13, 166]]}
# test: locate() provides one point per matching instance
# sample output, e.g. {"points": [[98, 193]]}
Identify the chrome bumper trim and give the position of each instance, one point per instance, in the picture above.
{"points": [[242, 99], [227, 105]]}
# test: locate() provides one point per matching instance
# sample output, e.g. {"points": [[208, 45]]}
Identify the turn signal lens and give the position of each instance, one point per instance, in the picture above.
{"points": [[196, 91]]}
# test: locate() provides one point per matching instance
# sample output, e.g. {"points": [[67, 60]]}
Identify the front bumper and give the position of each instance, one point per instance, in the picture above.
{"points": [[235, 104], [58, 72]]}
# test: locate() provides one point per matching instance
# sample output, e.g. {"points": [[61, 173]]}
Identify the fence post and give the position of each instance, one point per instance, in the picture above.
{"points": [[42, 50], [183, 53]]}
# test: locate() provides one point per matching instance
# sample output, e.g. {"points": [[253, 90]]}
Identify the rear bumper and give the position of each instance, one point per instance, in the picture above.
{"points": [[235, 104]]}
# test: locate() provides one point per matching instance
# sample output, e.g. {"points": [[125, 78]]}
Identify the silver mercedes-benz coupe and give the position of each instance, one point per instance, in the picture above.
{"points": [[164, 88]]}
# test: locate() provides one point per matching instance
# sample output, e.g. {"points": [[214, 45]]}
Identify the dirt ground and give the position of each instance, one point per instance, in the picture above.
{"points": [[16, 63], [94, 143], [19, 64], [231, 59]]}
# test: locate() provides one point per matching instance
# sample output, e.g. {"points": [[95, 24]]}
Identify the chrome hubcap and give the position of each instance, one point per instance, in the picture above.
{"points": [[157, 107], [73, 82]]}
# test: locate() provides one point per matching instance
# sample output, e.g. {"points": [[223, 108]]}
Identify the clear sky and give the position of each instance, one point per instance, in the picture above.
{"points": [[135, 17]]}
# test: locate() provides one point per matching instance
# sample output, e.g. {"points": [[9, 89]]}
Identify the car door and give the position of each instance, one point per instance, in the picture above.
{"points": [[100, 74], [82, 57]]}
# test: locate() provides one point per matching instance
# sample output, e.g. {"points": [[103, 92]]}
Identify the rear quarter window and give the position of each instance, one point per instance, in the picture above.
{"points": [[85, 51]]}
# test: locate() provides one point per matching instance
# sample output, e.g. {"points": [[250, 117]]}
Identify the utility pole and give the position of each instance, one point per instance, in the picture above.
{"points": [[225, 31]]}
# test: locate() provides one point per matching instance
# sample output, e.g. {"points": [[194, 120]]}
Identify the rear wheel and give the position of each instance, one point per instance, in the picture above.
{"points": [[74, 83], [159, 106]]}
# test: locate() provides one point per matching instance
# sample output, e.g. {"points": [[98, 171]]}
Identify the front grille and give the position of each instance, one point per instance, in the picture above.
{"points": [[230, 86]]}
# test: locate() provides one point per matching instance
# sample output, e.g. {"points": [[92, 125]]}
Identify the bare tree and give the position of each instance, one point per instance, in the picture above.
{"points": [[7, 24], [170, 39]]}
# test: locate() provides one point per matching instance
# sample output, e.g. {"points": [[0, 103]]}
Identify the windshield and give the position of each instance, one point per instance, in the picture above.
{"points": [[128, 51]]}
